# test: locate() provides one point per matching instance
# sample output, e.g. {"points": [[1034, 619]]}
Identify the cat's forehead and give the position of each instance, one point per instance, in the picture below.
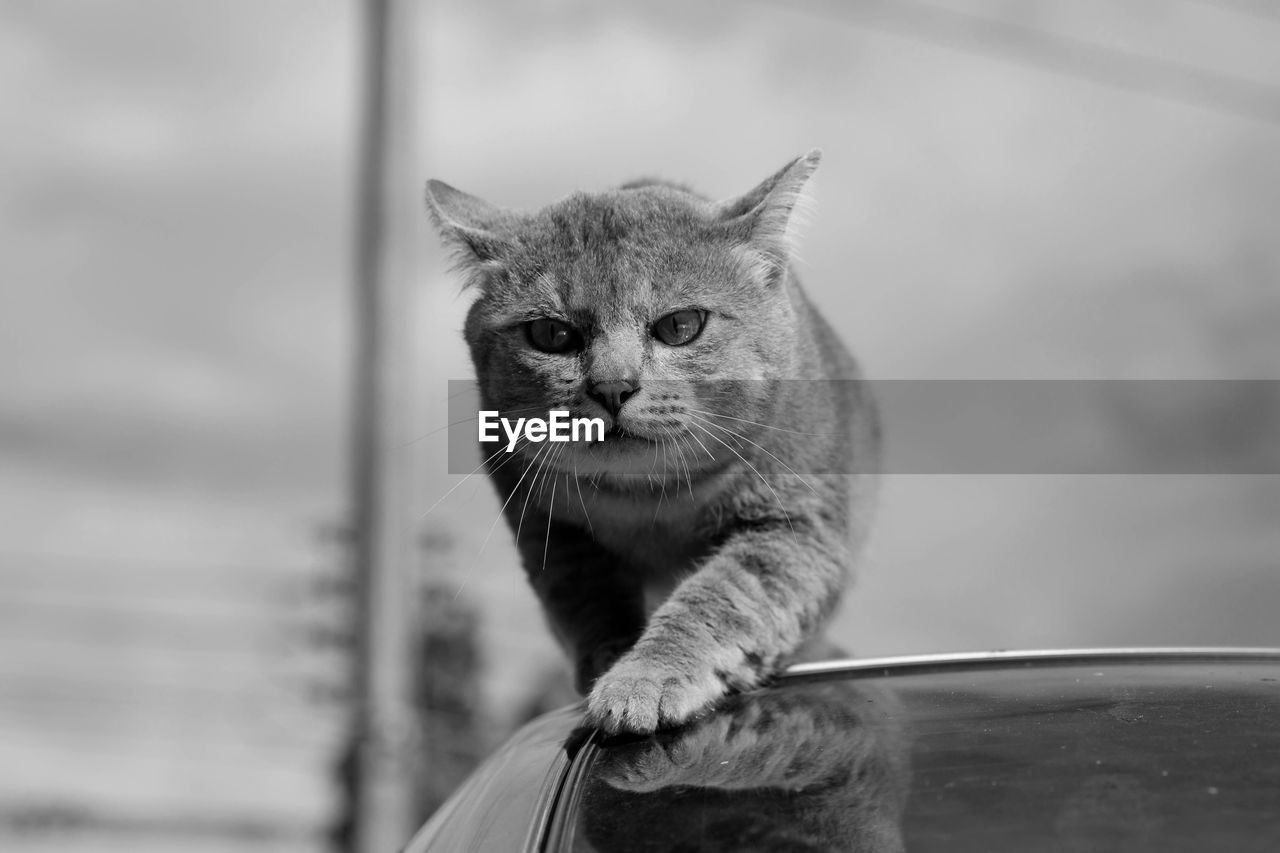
{"points": [[623, 250], [634, 217]]}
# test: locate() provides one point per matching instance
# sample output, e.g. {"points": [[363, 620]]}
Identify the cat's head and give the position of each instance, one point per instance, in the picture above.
{"points": [[639, 305]]}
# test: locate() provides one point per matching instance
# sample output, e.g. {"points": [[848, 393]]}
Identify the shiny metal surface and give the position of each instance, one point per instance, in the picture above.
{"points": [[507, 803], [1168, 756], [1082, 750], [903, 664]]}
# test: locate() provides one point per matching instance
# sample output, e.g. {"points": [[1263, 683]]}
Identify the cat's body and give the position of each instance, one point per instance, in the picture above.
{"points": [[706, 540]]}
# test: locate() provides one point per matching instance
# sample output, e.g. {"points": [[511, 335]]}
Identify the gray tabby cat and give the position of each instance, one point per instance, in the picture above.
{"points": [[702, 544]]}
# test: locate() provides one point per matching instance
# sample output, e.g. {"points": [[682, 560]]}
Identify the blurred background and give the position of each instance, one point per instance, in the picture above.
{"points": [[1029, 190]]}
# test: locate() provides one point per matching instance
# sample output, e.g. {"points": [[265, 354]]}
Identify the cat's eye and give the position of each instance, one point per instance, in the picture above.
{"points": [[679, 327], [553, 336]]}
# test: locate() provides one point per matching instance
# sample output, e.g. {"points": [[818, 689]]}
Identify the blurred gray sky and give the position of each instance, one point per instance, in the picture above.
{"points": [[177, 191]]}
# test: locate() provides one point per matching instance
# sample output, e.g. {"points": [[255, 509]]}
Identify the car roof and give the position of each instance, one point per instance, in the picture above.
{"points": [[1162, 749]]}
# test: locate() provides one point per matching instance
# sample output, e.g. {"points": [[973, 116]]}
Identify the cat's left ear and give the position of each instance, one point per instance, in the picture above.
{"points": [[763, 216], [480, 231]]}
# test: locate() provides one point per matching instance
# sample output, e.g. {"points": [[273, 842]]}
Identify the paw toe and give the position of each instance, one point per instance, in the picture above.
{"points": [[639, 702], [624, 705]]}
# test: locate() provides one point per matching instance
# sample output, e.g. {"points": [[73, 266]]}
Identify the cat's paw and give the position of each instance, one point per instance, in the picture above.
{"points": [[638, 696]]}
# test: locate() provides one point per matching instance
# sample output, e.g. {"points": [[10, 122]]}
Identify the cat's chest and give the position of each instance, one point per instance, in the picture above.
{"points": [[663, 545], [657, 547], [661, 534]]}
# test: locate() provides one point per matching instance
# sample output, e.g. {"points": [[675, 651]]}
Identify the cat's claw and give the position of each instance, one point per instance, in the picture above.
{"points": [[637, 698]]}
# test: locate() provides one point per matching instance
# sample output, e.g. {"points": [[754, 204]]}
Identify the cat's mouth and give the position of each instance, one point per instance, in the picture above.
{"points": [[636, 450], [617, 432]]}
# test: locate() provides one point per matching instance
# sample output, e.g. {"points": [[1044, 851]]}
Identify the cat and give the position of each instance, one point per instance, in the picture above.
{"points": [[700, 545]]}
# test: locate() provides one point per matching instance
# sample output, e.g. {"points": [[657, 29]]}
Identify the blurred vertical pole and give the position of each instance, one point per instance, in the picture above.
{"points": [[385, 732]]}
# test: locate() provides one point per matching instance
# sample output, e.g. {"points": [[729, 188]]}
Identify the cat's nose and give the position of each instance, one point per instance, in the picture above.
{"points": [[613, 394]]}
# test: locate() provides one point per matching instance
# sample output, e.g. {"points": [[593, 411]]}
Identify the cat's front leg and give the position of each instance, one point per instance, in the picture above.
{"points": [[727, 627]]}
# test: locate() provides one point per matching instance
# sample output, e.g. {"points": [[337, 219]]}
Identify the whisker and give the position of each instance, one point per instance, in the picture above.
{"points": [[678, 447], [710, 455], [466, 477], [663, 473], [552, 458], [763, 426], [546, 543], [537, 463], [662, 479], [503, 508], [768, 485], [516, 452], [688, 469], [577, 482], [766, 450], [521, 411], [497, 517]]}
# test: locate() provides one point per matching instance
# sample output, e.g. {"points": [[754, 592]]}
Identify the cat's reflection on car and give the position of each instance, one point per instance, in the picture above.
{"points": [[816, 767]]}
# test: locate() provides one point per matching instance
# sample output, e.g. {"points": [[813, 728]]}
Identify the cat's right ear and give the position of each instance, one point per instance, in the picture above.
{"points": [[477, 229], [764, 217]]}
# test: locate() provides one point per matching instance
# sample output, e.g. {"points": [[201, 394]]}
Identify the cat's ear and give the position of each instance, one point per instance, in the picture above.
{"points": [[763, 216], [476, 228]]}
